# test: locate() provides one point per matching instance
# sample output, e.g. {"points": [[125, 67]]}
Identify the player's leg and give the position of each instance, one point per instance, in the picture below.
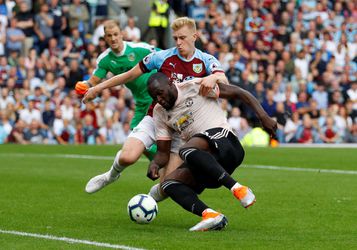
{"points": [[182, 188], [207, 152], [156, 191], [141, 138], [140, 114]]}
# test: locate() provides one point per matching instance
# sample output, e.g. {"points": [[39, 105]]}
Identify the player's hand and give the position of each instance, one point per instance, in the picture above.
{"points": [[153, 171], [207, 84], [81, 88], [269, 125], [90, 94]]}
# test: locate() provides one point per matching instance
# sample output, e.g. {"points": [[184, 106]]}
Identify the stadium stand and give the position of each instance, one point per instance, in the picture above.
{"points": [[297, 57]]}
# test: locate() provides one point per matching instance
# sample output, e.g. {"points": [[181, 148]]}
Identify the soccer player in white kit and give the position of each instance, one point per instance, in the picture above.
{"points": [[212, 151]]}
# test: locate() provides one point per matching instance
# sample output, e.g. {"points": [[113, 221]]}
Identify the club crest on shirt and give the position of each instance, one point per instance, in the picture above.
{"points": [[188, 102], [197, 68], [131, 57]]}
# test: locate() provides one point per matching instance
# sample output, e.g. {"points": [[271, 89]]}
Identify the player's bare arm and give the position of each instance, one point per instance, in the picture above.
{"points": [[160, 160], [114, 81], [234, 92], [210, 81]]}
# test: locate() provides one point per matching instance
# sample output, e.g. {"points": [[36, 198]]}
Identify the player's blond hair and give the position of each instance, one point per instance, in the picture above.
{"points": [[109, 24], [183, 21]]}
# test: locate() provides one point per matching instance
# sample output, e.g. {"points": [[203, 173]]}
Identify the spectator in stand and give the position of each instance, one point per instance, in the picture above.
{"points": [[26, 23], [5, 98], [351, 136], [106, 134], [67, 109], [291, 127], [307, 133], [48, 114], [30, 113], [17, 133], [89, 131], [75, 74], [131, 32], [59, 19], [320, 96], [329, 132], [35, 134], [5, 123], [65, 134], [302, 105], [78, 17], [281, 118], [269, 104], [352, 94], [89, 111], [43, 26], [15, 37]]}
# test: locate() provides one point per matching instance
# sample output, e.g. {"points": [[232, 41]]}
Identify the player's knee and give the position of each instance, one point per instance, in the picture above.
{"points": [[185, 152], [126, 158]]}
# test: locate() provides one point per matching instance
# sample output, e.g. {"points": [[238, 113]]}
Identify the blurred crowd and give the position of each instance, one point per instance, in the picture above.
{"points": [[298, 58]]}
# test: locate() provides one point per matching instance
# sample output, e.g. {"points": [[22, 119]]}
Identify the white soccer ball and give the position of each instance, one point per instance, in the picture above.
{"points": [[142, 208]]}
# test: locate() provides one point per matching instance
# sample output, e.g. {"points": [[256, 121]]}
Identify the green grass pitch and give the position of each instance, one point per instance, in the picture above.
{"points": [[42, 192]]}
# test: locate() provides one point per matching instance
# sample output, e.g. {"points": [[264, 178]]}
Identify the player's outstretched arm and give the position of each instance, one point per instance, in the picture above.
{"points": [[234, 92], [160, 160], [114, 81]]}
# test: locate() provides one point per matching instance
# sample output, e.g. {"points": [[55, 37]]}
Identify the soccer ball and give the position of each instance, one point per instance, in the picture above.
{"points": [[142, 209]]}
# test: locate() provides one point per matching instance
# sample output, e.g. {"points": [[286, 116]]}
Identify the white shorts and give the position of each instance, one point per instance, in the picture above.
{"points": [[145, 132]]}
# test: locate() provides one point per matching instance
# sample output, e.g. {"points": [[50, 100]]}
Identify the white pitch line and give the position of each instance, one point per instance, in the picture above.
{"points": [[315, 170], [143, 159], [69, 240]]}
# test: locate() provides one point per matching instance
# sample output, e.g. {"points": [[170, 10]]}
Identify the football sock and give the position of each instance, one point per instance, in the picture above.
{"points": [[150, 153], [116, 168], [206, 163], [157, 193], [184, 196], [237, 185]]}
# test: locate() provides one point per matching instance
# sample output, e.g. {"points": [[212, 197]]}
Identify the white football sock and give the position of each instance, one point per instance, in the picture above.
{"points": [[237, 185], [156, 193], [116, 168]]}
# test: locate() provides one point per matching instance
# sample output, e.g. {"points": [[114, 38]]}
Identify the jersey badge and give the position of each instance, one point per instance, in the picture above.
{"points": [[197, 68], [189, 102], [131, 57]]}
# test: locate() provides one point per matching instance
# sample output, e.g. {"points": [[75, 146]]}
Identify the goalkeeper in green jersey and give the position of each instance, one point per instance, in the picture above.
{"points": [[120, 57]]}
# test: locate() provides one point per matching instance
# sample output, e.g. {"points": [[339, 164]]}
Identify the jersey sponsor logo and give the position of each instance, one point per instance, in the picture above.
{"points": [[188, 102], [183, 122], [197, 68], [176, 77], [131, 57]]}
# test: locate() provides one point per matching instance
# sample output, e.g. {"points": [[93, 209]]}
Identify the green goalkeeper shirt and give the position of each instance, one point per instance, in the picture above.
{"points": [[131, 54]]}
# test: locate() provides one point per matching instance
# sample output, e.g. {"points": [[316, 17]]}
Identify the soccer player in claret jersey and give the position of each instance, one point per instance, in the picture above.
{"points": [[119, 58], [180, 63], [211, 152]]}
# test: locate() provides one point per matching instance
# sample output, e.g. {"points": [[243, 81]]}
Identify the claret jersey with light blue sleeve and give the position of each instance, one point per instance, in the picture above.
{"points": [[179, 69]]}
